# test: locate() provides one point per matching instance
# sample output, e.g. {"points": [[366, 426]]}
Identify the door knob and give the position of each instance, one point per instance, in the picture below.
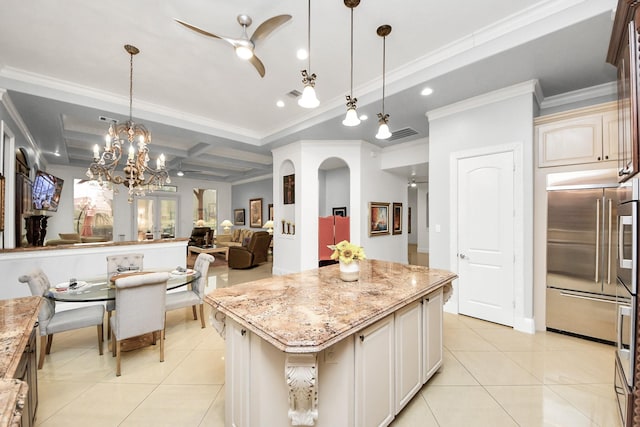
{"points": [[462, 256]]}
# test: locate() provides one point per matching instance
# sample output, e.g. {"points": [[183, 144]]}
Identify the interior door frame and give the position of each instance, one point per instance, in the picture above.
{"points": [[521, 321]]}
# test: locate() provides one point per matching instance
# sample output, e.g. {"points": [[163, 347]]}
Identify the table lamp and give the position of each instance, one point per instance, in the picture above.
{"points": [[226, 224], [269, 226]]}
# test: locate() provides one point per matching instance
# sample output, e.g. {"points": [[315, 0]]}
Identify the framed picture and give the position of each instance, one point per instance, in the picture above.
{"points": [[289, 189], [397, 218], [270, 211], [340, 211], [255, 213], [409, 220], [378, 218], [238, 217]]}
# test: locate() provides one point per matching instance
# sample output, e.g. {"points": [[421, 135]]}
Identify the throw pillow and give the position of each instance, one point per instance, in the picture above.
{"points": [[246, 241]]}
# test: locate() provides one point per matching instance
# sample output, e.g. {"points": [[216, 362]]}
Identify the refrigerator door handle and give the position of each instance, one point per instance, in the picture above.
{"points": [[609, 246], [597, 240], [628, 221]]}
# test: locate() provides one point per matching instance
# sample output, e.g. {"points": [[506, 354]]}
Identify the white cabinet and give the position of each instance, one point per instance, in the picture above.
{"points": [[432, 327], [588, 135], [237, 375], [408, 348], [374, 374]]}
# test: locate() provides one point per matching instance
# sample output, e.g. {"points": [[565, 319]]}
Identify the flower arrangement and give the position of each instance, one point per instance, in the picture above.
{"points": [[347, 252]]}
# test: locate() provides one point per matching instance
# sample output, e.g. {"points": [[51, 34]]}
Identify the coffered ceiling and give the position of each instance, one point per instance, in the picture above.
{"points": [[65, 68]]}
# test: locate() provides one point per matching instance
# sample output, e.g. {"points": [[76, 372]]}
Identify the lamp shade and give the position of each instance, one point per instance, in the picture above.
{"points": [[227, 223], [269, 226], [383, 131], [351, 119], [308, 98]]}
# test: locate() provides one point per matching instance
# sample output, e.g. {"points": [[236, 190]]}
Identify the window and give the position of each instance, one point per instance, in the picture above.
{"points": [[92, 209]]}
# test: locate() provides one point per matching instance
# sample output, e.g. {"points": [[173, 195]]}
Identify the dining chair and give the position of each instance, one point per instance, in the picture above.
{"points": [[117, 264], [140, 309], [52, 322], [195, 295]]}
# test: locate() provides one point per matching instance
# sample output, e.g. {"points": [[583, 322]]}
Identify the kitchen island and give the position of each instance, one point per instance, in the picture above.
{"points": [[310, 349]]}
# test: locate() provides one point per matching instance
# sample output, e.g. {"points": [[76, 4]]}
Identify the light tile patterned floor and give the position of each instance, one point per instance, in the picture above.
{"points": [[492, 376]]}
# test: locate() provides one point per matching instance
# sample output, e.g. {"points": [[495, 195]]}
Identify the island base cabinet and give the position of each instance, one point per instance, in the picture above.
{"points": [[432, 336], [27, 371], [363, 380], [375, 372]]}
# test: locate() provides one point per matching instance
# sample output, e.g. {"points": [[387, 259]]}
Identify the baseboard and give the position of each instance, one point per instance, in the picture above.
{"points": [[524, 324]]}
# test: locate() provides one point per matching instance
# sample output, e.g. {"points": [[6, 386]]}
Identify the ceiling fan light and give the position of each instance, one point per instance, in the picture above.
{"points": [[383, 130], [351, 119], [244, 52], [308, 98], [180, 173]]}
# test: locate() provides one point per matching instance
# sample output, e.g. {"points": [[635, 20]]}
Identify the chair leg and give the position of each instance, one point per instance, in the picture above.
{"points": [[100, 339], [193, 308], [117, 343], [162, 345], [113, 344], [202, 315], [108, 324], [49, 341], [43, 346]]}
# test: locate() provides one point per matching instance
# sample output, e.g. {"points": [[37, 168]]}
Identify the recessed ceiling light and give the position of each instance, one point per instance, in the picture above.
{"points": [[426, 91], [363, 117], [302, 54], [280, 103]]}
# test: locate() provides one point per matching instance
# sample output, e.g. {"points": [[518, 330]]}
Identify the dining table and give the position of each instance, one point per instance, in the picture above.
{"points": [[102, 288]]}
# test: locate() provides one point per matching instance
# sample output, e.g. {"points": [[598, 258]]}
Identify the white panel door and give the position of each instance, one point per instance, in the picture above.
{"points": [[486, 237]]}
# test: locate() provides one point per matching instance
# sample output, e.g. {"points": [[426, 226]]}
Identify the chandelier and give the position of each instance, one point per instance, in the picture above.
{"points": [[136, 175]]}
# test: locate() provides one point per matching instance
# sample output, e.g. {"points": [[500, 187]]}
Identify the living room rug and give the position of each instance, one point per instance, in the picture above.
{"points": [[218, 260]]}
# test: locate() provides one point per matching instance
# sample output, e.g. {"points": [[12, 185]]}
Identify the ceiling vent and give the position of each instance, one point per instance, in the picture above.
{"points": [[294, 93], [402, 133], [107, 119]]}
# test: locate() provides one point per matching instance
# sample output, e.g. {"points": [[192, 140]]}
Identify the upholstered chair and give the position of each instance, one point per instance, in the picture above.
{"points": [[194, 296], [254, 253], [140, 309], [51, 322], [120, 264]]}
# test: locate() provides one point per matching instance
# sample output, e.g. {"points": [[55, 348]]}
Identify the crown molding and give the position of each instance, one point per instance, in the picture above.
{"points": [[605, 89], [5, 100]]}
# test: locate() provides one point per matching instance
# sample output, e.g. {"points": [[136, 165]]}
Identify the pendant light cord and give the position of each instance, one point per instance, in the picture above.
{"points": [[351, 89], [384, 56], [309, 35], [130, 86]]}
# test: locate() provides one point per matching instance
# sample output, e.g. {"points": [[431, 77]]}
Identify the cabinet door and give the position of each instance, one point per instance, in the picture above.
{"points": [[237, 374], [374, 362], [408, 330], [570, 141], [610, 135], [432, 330]]}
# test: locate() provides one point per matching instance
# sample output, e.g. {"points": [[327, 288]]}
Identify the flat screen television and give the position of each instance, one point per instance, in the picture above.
{"points": [[45, 192]]}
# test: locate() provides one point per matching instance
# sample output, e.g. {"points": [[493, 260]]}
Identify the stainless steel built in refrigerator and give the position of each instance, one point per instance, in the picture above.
{"points": [[581, 253]]}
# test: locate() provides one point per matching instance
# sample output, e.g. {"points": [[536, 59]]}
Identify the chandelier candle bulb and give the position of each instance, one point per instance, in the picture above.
{"points": [[96, 152]]}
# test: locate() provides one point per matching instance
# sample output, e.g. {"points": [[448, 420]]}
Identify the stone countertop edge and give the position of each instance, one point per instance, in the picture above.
{"points": [[18, 316], [278, 284], [91, 245]]}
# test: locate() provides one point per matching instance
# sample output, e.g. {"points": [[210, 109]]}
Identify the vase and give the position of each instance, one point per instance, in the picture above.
{"points": [[349, 272]]}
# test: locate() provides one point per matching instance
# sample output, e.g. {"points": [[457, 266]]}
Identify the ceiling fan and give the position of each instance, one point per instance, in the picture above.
{"points": [[245, 46], [413, 183]]}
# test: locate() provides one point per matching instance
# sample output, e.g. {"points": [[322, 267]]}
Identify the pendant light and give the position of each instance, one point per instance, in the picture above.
{"points": [[383, 119], [351, 119], [308, 98]]}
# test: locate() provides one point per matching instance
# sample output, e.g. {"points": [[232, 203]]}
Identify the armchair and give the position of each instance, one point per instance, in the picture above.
{"points": [[254, 253], [200, 236], [194, 296]]}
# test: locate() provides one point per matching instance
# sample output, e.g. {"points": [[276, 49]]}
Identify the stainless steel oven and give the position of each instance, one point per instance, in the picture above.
{"points": [[626, 297]]}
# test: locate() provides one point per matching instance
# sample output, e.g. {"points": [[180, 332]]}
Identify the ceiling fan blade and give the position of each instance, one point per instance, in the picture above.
{"points": [[258, 64], [198, 30], [269, 26]]}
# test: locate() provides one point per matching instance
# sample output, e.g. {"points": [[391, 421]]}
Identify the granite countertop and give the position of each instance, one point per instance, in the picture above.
{"points": [[12, 398], [17, 319], [310, 311]]}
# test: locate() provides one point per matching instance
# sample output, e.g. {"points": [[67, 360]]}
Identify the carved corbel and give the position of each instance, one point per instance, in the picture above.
{"points": [[218, 321], [301, 373]]}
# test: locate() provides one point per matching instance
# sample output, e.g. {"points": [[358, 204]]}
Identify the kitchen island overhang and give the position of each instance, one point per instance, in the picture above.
{"points": [[304, 314]]}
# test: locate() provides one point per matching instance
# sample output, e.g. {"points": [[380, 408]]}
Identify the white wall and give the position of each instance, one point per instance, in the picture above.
{"points": [[498, 118], [62, 220], [334, 190], [422, 226]]}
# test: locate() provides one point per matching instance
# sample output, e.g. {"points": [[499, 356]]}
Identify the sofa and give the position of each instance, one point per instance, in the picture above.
{"points": [[255, 252], [239, 237], [73, 238]]}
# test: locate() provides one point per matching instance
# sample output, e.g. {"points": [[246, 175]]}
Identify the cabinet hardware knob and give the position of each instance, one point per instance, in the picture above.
{"points": [[361, 338], [599, 158], [606, 157], [243, 332]]}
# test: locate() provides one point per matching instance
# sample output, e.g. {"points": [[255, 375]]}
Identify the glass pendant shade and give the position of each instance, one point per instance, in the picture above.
{"points": [[308, 98], [351, 119], [383, 131]]}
